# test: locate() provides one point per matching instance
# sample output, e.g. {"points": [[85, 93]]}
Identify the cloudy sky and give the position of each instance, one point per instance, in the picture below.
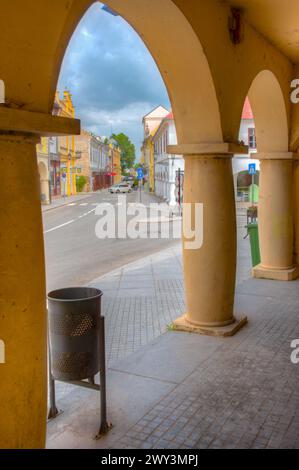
{"points": [[111, 75]]}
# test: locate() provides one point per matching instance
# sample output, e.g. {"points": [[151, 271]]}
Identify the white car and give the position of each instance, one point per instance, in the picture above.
{"points": [[120, 188]]}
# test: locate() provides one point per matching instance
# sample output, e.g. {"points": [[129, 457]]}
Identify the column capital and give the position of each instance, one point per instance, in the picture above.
{"points": [[218, 149], [273, 156], [22, 122]]}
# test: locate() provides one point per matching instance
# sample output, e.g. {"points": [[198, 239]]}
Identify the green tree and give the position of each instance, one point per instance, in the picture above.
{"points": [[80, 183], [128, 153]]}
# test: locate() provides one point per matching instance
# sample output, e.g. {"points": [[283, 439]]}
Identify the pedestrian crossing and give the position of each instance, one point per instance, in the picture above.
{"points": [[84, 204], [94, 204]]}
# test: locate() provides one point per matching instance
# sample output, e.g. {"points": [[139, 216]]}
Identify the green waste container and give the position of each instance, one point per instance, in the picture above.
{"points": [[254, 243]]}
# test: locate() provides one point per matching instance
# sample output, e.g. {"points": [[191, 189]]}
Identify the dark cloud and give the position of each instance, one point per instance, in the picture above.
{"points": [[112, 76]]}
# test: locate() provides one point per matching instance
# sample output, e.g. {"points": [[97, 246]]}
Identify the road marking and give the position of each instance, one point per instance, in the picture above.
{"points": [[86, 213], [72, 204], [59, 226], [84, 204]]}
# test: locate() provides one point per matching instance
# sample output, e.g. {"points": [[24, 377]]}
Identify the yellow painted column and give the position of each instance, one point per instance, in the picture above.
{"points": [[210, 271], [68, 177], [74, 191], [23, 389], [275, 217], [68, 168]]}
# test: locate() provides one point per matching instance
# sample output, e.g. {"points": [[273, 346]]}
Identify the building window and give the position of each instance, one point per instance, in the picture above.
{"points": [[251, 138]]}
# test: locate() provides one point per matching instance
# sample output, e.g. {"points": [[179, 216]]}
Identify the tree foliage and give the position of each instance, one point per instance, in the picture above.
{"points": [[128, 153]]}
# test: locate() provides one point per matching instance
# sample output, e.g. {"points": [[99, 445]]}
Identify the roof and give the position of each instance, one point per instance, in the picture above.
{"points": [[156, 112], [247, 111]]}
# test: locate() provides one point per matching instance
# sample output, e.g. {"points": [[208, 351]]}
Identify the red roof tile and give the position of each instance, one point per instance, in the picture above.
{"points": [[247, 111], [169, 116]]}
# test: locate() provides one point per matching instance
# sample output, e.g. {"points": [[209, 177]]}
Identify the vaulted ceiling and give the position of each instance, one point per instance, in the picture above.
{"points": [[277, 20]]}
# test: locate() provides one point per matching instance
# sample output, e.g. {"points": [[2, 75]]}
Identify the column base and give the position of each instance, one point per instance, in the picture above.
{"points": [[262, 272], [182, 324]]}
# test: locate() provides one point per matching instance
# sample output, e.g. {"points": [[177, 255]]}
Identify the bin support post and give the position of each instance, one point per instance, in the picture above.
{"points": [[53, 412], [104, 428]]}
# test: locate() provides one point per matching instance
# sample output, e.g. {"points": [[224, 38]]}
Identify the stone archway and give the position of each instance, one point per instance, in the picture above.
{"points": [[179, 56], [186, 73], [270, 115]]}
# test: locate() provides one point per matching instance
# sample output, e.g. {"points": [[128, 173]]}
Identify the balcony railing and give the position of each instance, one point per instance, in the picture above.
{"points": [[64, 151]]}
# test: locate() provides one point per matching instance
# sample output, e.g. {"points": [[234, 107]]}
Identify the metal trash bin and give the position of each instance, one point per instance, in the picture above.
{"points": [[77, 342], [74, 329]]}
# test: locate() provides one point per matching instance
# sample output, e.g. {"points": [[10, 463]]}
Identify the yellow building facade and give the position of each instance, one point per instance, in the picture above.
{"points": [[148, 160], [116, 163], [66, 146]]}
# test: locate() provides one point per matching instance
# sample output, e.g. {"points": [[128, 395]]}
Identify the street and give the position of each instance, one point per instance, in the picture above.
{"points": [[75, 256]]}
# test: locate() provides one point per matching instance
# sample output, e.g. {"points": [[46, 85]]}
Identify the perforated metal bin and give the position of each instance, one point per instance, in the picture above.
{"points": [[75, 332]]}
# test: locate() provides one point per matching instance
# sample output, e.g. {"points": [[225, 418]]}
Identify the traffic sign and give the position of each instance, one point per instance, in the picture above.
{"points": [[140, 173], [63, 176], [252, 168]]}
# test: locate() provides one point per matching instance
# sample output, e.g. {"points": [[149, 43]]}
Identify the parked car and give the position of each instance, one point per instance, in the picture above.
{"points": [[129, 180], [120, 188]]}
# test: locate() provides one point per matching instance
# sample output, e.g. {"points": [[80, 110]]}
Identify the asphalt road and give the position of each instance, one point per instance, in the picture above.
{"points": [[76, 256]]}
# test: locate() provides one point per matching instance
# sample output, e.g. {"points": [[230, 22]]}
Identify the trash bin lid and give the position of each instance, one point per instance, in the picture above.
{"points": [[73, 294]]}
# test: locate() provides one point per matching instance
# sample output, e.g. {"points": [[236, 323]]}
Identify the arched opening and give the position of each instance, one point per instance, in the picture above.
{"points": [[269, 112], [191, 91], [185, 70], [247, 188], [196, 114], [246, 167], [44, 183], [275, 205], [179, 57]]}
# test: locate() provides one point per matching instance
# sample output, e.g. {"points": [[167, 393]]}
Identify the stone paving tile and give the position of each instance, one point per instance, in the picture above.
{"points": [[139, 307], [245, 395]]}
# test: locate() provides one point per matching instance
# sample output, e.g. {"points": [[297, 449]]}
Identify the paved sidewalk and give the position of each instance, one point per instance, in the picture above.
{"points": [[140, 301], [177, 390]]}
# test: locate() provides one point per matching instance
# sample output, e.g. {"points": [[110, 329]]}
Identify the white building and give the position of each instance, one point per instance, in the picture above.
{"points": [[242, 179], [166, 165]]}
